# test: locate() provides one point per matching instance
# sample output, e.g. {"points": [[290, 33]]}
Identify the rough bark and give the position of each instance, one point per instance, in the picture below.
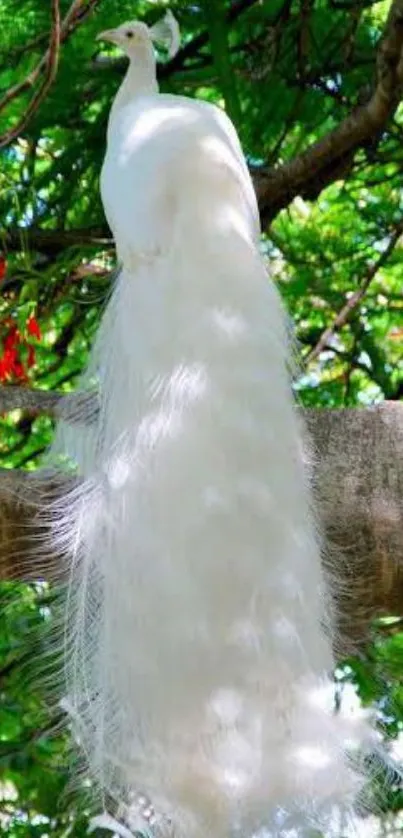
{"points": [[359, 484], [71, 406], [358, 474]]}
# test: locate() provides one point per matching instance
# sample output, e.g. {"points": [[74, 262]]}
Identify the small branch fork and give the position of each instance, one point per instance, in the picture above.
{"points": [[320, 164], [345, 313], [60, 30]]}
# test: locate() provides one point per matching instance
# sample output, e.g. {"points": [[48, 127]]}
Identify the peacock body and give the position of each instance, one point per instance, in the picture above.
{"points": [[198, 640]]}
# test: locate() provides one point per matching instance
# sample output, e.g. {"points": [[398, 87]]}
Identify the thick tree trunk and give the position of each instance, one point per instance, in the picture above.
{"points": [[359, 482], [358, 473]]}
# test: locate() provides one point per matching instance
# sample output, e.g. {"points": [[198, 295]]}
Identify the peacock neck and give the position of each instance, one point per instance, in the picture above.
{"points": [[140, 80], [141, 77]]}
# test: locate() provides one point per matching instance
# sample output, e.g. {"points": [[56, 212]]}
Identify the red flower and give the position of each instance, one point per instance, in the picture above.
{"points": [[19, 371], [8, 363], [12, 367], [3, 371], [12, 339], [31, 357], [33, 327], [3, 267]]}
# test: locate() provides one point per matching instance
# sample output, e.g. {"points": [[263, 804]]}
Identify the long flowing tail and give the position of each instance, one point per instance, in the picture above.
{"points": [[197, 640]]}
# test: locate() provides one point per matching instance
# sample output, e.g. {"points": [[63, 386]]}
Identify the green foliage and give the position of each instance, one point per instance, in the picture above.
{"points": [[288, 72], [377, 677]]}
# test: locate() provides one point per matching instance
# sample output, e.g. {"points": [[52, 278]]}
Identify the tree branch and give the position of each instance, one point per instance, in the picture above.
{"points": [[74, 407], [52, 242], [48, 63], [359, 491], [52, 62], [359, 488], [309, 172], [356, 297]]}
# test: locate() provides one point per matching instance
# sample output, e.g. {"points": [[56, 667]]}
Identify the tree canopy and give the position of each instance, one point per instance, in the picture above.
{"points": [[315, 89]]}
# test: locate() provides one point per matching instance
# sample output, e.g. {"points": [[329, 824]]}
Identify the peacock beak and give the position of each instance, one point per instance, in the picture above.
{"points": [[111, 35]]}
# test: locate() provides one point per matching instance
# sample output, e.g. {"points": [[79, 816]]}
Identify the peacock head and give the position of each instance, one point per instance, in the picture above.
{"points": [[132, 37], [136, 39]]}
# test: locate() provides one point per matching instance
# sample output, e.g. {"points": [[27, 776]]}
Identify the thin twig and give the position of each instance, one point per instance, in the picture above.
{"points": [[355, 298], [78, 10], [52, 63]]}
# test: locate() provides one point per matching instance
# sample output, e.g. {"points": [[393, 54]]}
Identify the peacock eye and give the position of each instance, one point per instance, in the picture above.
{"points": [[129, 33]]}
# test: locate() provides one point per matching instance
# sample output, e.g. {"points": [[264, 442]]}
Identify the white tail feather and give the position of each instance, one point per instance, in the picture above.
{"points": [[196, 659], [197, 644]]}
